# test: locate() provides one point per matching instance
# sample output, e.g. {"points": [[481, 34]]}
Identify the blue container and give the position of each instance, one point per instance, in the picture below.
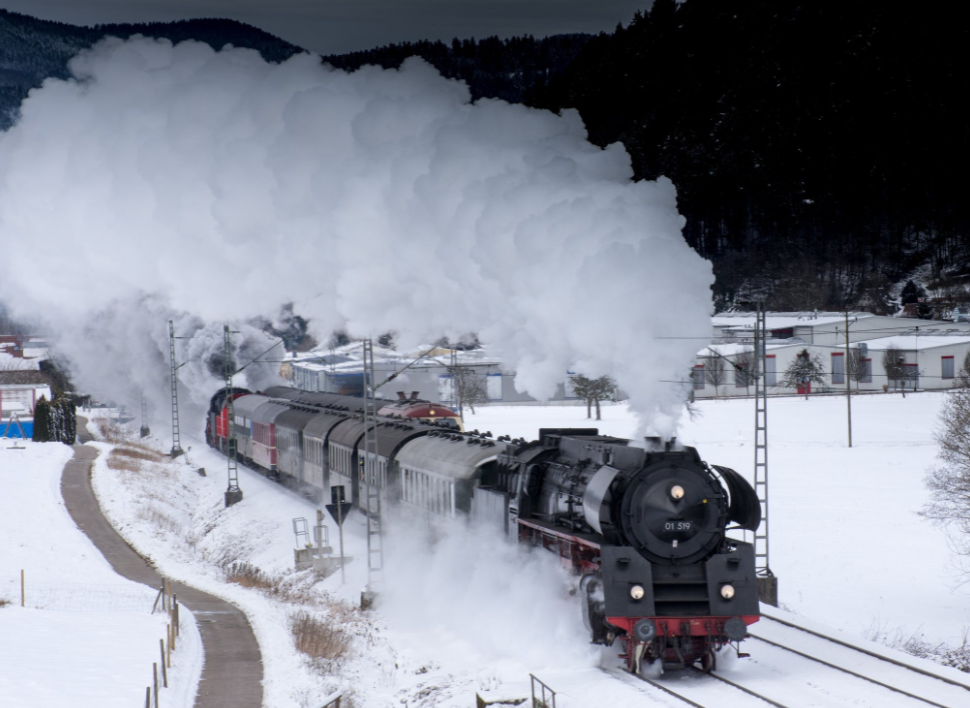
{"points": [[10, 430]]}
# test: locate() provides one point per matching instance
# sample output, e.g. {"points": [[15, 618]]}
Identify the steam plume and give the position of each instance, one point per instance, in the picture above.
{"points": [[177, 182]]}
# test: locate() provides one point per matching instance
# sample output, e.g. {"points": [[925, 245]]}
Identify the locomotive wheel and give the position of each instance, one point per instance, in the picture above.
{"points": [[709, 661]]}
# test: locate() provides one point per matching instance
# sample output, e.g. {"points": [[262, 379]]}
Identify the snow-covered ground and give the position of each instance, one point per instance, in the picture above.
{"points": [[459, 612], [86, 637]]}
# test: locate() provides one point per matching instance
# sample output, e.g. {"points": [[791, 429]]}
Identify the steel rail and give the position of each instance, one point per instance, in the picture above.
{"points": [[847, 671], [738, 686], [671, 692], [868, 652], [695, 704]]}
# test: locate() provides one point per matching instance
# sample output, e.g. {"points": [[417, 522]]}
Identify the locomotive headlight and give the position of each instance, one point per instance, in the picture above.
{"points": [[637, 592], [677, 492], [727, 591]]}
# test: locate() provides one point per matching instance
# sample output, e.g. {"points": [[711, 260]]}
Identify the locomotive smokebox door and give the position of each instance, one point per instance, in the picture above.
{"points": [[629, 588]]}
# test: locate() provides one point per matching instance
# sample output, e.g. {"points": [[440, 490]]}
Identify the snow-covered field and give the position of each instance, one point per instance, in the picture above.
{"points": [[459, 612], [86, 637]]}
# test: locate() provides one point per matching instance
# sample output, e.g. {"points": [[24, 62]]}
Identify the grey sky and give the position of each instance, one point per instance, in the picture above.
{"points": [[335, 26]]}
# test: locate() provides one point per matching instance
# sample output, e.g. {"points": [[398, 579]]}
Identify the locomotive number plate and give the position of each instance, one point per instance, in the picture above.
{"points": [[677, 528]]}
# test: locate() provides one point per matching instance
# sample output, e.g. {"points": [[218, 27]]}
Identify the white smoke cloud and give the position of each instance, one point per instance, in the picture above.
{"points": [[466, 586], [181, 183]]}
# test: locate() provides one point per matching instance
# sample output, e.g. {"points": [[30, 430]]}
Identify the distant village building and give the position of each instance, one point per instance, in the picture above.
{"points": [[340, 371], [20, 391], [22, 346], [21, 382], [929, 354]]}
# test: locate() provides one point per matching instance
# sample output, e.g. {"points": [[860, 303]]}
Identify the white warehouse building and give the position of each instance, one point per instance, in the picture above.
{"points": [[928, 354]]}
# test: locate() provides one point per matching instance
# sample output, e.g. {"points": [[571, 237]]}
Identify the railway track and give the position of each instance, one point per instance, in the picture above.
{"points": [[798, 666], [721, 700], [925, 686]]}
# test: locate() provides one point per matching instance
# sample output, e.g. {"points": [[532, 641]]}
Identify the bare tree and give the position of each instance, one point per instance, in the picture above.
{"points": [[470, 388], [745, 368], [894, 362], [949, 482], [593, 391], [805, 369], [715, 373], [859, 368]]}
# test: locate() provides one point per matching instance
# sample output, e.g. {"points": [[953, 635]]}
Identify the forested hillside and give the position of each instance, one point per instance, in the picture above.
{"points": [[820, 150], [32, 50], [492, 68], [822, 144]]}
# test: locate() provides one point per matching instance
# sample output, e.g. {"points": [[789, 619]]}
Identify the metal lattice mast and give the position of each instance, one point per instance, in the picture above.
{"points": [[233, 492], [767, 583], [372, 482], [176, 437]]}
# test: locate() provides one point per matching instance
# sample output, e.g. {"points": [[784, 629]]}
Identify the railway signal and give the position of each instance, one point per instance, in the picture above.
{"points": [[339, 508]]}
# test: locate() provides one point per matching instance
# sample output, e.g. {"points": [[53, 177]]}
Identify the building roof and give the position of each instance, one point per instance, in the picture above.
{"points": [[922, 342], [784, 320], [24, 376], [734, 348]]}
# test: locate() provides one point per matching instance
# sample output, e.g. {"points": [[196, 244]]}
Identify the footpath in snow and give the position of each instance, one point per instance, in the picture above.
{"points": [[86, 637]]}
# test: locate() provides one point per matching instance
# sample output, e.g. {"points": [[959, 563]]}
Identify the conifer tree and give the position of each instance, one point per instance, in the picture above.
{"points": [[65, 417], [805, 369], [42, 414]]}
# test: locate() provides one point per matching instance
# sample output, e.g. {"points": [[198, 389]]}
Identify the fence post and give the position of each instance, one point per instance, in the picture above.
{"points": [[175, 610], [178, 621], [155, 682], [171, 633], [148, 697], [161, 648], [22, 594]]}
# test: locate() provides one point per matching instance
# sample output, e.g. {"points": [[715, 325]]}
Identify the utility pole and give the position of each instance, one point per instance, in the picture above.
{"points": [[456, 385], [372, 483], [176, 442], [144, 431], [233, 492], [767, 582], [916, 380], [848, 379]]}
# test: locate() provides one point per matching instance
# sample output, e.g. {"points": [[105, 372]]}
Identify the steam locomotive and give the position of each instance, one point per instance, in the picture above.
{"points": [[643, 526]]}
